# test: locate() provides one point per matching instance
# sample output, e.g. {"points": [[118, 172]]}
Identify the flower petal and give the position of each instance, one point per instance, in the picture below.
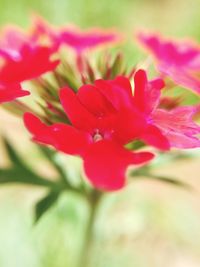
{"points": [[180, 60], [146, 93], [81, 41], [33, 63], [129, 124], [11, 92], [182, 77], [177, 125], [94, 101], [63, 137], [180, 140], [80, 117], [117, 91], [153, 136], [105, 164]]}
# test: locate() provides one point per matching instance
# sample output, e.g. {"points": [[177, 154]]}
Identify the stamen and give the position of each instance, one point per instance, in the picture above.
{"points": [[97, 137]]}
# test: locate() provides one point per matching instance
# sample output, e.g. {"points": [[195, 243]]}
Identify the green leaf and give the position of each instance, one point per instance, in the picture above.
{"points": [[20, 173], [24, 176], [45, 204], [137, 144], [50, 155], [169, 180], [15, 159]]}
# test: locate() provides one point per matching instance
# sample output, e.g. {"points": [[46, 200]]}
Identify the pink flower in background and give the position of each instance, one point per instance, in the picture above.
{"points": [[178, 60], [72, 36], [176, 124], [81, 41], [103, 121], [23, 58], [11, 92]]}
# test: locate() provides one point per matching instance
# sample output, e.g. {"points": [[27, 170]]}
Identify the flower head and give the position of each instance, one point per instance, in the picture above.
{"points": [[103, 121], [178, 60]]}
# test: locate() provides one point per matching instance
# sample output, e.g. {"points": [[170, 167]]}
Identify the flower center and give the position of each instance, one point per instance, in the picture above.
{"points": [[97, 136]]}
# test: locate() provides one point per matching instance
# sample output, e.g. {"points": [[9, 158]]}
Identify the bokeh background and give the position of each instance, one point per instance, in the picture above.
{"points": [[148, 224]]}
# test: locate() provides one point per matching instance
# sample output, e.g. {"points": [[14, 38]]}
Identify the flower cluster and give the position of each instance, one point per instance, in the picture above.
{"points": [[100, 112]]}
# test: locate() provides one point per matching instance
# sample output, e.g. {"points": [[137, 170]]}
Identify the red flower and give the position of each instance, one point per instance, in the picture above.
{"points": [[175, 125], [23, 58], [103, 119], [178, 60], [11, 92]]}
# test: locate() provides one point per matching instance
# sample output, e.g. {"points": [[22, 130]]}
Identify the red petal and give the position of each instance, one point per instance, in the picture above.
{"points": [[61, 136], [129, 125], [146, 93], [105, 164], [80, 117], [94, 101], [117, 91], [153, 136], [33, 63], [140, 80], [11, 92]]}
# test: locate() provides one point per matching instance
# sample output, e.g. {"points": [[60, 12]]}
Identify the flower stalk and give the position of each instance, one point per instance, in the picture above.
{"points": [[94, 203]]}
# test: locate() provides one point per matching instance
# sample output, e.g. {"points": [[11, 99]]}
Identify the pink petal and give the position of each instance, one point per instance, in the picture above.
{"points": [[63, 137], [105, 164], [178, 60], [183, 78], [81, 41], [180, 140], [177, 125]]}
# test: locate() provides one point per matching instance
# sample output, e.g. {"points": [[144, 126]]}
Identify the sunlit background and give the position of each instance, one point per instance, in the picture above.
{"points": [[148, 224]]}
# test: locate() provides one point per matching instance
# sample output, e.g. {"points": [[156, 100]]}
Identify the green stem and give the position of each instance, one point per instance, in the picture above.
{"points": [[93, 200]]}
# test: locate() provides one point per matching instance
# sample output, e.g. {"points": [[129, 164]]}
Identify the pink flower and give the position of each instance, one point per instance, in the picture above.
{"points": [[23, 58], [103, 120], [11, 92], [178, 60], [72, 36], [176, 125], [81, 41]]}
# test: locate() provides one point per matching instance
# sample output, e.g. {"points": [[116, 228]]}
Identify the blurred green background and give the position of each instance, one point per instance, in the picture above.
{"points": [[148, 224]]}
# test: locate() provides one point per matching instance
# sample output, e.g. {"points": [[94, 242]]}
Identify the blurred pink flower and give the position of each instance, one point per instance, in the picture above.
{"points": [[178, 60], [72, 36]]}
